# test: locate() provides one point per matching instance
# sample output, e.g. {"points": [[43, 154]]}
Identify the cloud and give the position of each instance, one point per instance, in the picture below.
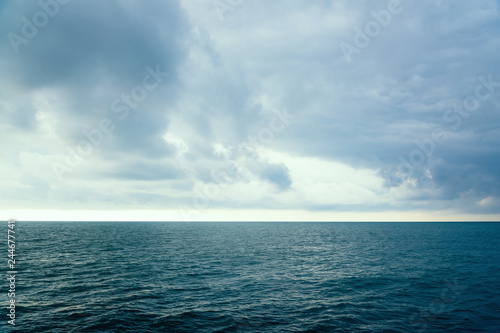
{"points": [[91, 54], [362, 137], [145, 171], [276, 174], [488, 202]]}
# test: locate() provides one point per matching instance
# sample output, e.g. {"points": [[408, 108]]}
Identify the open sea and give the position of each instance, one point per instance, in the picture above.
{"points": [[255, 277]]}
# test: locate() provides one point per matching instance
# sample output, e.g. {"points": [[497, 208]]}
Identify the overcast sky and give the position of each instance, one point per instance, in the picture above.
{"points": [[250, 110]]}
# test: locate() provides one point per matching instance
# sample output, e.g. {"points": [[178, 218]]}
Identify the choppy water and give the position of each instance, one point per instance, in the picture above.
{"points": [[257, 277]]}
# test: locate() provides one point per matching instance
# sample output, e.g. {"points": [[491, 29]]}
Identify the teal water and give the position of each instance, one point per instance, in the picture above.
{"points": [[256, 277]]}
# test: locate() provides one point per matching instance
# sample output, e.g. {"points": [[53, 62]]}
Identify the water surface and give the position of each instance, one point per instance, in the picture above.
{"points": [[257, 277]]}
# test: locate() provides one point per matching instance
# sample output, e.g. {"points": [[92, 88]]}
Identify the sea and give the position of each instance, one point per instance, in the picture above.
{"points": [[254, 277]]}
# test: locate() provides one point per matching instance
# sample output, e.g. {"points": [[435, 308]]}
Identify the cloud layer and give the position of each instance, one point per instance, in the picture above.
{"points": [[325, 106]]}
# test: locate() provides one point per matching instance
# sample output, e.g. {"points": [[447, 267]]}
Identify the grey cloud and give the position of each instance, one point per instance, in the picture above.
{"points": [[148, 171], [92, 52], [276, 174]]}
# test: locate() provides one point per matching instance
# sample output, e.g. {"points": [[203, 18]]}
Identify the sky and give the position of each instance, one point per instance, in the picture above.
{"points": [[300, 110]]}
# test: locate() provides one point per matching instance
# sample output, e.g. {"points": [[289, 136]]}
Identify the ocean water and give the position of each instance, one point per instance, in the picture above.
{"points": [[256, 277]]}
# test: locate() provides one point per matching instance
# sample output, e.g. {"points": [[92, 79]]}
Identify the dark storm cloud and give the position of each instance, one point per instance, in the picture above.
{"points": [[94, 40], [92, 53]]}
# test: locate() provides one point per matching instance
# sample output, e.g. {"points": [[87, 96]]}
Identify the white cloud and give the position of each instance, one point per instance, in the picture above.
{"points": [[489, 202]]}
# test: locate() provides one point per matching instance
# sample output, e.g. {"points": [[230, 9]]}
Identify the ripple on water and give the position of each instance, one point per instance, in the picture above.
{"points": [[258, 277]]}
